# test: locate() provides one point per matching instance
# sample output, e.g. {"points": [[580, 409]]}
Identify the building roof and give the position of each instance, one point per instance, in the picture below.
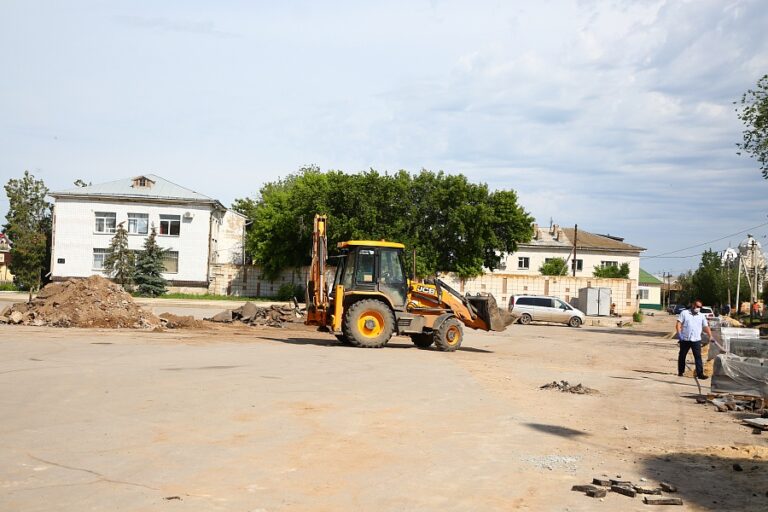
{"points": [[587, 240], [560, 237], [646, 278], [157, 189]]}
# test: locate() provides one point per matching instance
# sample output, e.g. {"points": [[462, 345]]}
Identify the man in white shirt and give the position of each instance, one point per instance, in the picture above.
{"points": [[690, 325]]}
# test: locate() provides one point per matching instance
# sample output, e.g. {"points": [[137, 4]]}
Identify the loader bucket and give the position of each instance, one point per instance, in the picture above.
{"points": [[486, 308]]}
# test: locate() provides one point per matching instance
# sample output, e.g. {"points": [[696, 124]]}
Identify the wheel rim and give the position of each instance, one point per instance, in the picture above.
{"points": [[370, 323], [453, 336]]}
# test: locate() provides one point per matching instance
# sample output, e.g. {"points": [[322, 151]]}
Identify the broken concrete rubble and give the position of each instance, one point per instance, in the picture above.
{"points": [[251, 314], [566, 387]]}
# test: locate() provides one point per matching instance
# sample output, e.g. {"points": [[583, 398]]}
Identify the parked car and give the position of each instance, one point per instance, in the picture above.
{"points": [[706, 310], [539, 308], [679, 308]]}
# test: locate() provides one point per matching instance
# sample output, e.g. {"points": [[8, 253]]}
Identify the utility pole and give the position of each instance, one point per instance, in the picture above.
{"points": [[575, 237]]}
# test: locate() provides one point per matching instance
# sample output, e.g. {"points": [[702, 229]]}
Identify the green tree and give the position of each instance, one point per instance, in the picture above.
{"points": [[148, 273], [753, 112], [554, 267], [119, 262], [611, 272], [454, 225], [29, 228], [707, 280]]}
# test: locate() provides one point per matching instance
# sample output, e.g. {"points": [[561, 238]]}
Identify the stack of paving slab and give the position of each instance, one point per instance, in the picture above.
{"points": [[743, 368]]}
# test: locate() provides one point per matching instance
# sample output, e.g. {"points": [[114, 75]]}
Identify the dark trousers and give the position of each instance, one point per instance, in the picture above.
{"points": [[695, 347]]}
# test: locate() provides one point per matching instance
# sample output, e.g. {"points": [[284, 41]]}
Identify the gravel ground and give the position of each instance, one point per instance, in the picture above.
{"points": [[242, 418]]}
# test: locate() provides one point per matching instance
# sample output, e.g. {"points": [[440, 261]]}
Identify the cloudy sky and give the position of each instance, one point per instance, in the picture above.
{"points": [[616, 115]]}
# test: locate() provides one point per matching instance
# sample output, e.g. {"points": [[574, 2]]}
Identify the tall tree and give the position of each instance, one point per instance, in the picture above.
{"points": [[618, 272], [454, 225], [29, 227], [554, 267], [148, 273], [753, 112], [119, 262]]}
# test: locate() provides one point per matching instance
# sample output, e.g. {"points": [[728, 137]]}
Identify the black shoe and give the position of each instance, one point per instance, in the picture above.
{"points": [[679, 374], [702, 377]]}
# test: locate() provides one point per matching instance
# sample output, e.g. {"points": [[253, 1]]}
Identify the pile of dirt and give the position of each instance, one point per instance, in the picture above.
{"points": [[251, 314], [172, 321], [566, 387], [90, 302]]}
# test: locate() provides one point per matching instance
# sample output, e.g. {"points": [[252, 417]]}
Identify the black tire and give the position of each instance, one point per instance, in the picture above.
{"points": [[423, 341], [369, 323], [449, 335], [343, 339], [525, 319], [574, 321]]}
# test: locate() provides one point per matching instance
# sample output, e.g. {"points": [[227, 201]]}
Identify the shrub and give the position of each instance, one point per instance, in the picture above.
{"points": [[288, 291], [637, 317], [8, 287]]}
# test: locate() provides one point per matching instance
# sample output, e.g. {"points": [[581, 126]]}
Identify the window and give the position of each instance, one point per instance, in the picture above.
{"points": [[577, 265], [171, 262], [642, 293], [138, 223], [523, 263], [525, 301], [609, 264], [542, 302], [98, 258], [365, 260], [105, 222], [170, 225], [391, 267]]}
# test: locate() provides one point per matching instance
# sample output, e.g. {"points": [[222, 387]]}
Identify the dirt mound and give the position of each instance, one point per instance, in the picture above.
{"points": [[172, 321], [91, 302]]}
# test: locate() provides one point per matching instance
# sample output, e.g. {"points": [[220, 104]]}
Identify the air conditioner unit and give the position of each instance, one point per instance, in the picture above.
{"points": [[188, 215]]}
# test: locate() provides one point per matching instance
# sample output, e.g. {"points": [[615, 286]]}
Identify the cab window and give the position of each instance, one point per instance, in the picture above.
{"points": [[391, 267], [365, 266]]}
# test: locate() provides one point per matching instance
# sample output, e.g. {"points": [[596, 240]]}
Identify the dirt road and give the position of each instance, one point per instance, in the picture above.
{"points": [[262, 419]]}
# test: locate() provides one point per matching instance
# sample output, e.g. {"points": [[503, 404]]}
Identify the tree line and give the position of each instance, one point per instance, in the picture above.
{"points": [[559, 267], [714, 283], [453, 224]]}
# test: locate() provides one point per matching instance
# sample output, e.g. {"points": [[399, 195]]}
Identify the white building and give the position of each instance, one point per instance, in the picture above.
{"points": [[197, 231], [557, 242], [519, 272]]}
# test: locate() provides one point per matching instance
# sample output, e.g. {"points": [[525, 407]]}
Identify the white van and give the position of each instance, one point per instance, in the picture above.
{"points": [[540, 308]]}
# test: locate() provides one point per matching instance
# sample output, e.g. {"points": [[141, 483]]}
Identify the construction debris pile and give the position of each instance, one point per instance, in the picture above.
{"points": [[652, 495], [91, 302], [171, 321], [753, 410], [251, 314], [565, 387]]}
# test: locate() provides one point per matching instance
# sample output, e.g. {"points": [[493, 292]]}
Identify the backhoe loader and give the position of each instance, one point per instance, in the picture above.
{"points": [[371, 299]]}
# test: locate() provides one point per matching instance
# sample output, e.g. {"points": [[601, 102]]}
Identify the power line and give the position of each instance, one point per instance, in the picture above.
{"points": [[704, 243]]}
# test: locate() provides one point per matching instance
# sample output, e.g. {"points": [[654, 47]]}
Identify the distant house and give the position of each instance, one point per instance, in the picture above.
{"points": [[5, 259], [649, 291], [198, 231], [592, 251]]}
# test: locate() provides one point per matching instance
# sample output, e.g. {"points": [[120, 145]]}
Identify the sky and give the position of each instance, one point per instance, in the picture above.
{"points": [[615, 115]]}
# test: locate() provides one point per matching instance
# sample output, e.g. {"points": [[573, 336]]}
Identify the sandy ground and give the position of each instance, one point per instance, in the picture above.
{"points": [[264, 419]]}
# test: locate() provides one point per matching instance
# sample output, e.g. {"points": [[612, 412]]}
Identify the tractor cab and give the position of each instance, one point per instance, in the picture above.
{"points": [[367, 267]]}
